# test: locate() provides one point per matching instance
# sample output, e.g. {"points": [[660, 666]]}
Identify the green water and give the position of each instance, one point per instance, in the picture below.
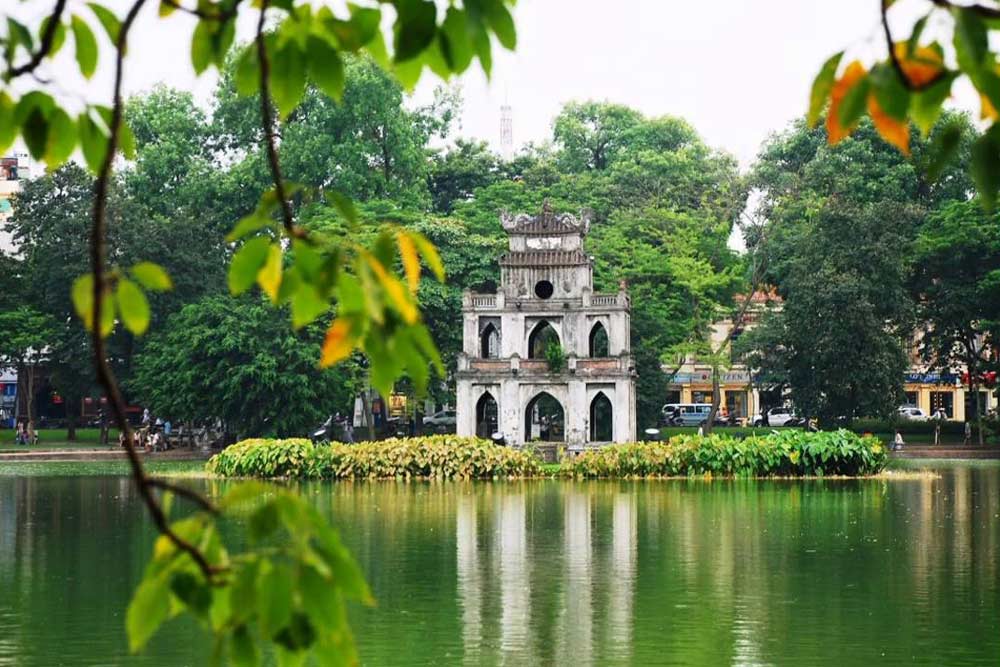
{"points": [[563, 573]]}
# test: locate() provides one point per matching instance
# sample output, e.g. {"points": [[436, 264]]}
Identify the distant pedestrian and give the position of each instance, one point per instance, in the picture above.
{"points": [[348, 432], [145, 417], [968, 433], [939, 417], [897, 444], [21, 437], [701, 429]]}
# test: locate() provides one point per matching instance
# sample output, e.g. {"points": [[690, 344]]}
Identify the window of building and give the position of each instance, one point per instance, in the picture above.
{"points": [[489, 342], [911, 398], [544, 289], [541, 337], [599, 346], [944, 401], [601, 419]]}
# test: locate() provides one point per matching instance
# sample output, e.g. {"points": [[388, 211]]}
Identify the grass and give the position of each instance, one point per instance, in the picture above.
{"points": [[97, 468], [56, 438]]}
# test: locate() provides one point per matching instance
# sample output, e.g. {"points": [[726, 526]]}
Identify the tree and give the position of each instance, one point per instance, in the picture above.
{"points": [[590, 134], [300, 608], [236, 360], [956, 285], [25, 335], [458, 172]]}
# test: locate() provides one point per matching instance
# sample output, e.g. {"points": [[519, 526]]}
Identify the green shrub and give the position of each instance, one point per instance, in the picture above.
{"points": [[789, 452], [439, 456], [555, 356]]}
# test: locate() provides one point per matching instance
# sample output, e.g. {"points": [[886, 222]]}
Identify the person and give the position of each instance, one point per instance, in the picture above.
{"points": [[938, 418], [21, 438], [349, 431], [897, 444], [968, 433], [145, 417], [701, 429]]}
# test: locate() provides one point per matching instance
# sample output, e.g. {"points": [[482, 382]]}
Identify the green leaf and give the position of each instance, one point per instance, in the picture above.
{"points": [[133, 306], [321, 601], [943, 149], [61, 138], [456, 45], [8, 127], [254, 222], [416, 364], [82, 295], [502, 23], [890, 91], [344, 205], [274, 599], [481, 43], [247, 75], [263, 522], [307, 305], [147, 611], [288, 77], [244, 651], [111, 24], [192, 591], [36, 133], [93, 141], [202, 53], [58, 37], [326, 69], [152, 276], [853, 104], [416, 26], [350, 296], [926, 106], [918, 29], [246, 263], [985, 166], [18, 33], [971, 40], [86, 46], [408, 73]]}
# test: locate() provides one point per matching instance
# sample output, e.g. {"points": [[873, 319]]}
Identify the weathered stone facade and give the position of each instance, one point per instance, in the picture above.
{"points": [[546, 286]]}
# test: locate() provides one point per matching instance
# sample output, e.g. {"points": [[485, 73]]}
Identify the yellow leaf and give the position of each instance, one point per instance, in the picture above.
{"points": [[411, 261], [834, 131], [269, 277], [987, 110], [430, 254], [896, 132], [920, 67], [339, 342], [397, 293]]}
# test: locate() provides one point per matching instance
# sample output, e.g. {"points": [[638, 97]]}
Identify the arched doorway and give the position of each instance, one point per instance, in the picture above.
{"points": [[544, 419], [601, 419], [489, 342], [486, 416], [540, 338], [599, 346]]}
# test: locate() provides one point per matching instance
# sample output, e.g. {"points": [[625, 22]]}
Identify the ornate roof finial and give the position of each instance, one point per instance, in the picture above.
{"points": [[546, 212]]}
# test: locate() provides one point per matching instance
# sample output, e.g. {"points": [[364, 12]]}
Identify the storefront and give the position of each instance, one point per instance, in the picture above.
{"points": [[944, 391], [738, 398]]}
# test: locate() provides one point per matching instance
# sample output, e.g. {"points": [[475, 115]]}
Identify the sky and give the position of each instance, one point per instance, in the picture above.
{"points": [[737, 70]]}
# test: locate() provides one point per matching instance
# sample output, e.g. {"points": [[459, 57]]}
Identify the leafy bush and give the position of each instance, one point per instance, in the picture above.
{"points": [[784, 453], [555, 356], [439, 457]]}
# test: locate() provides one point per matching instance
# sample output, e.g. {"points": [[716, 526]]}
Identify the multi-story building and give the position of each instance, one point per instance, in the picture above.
{"points": [[545, 358], [13, 170]]}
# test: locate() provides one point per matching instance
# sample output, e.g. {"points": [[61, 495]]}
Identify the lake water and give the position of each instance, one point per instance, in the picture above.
{"points": [[563, 573]]}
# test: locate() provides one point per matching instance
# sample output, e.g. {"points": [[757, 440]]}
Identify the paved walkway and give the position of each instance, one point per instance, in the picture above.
{"points": [[948, 451], [88, 454]]}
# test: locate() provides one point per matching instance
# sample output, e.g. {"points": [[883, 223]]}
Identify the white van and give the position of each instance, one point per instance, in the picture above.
{"points": [[686, 414]]}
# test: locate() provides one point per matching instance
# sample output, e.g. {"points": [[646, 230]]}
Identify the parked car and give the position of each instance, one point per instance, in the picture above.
{"points": [[441, 418], [685, 414], [779, 416], [911, 413]]}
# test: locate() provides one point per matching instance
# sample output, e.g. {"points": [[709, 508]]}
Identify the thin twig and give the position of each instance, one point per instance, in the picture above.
{"points": [[981, 10], [98, 252], [268, 123], [48, 39], [222, 17], [894, 57], [183, 492]]}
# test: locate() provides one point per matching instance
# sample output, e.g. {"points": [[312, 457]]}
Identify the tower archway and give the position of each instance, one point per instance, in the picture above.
{"points": [[544, 419], [599, 344], [601, 419], [486, 416], [489, 342], [540, 338]]}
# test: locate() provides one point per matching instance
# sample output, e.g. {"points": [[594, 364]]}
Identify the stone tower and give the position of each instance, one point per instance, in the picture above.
{"points": [[545, 358]]}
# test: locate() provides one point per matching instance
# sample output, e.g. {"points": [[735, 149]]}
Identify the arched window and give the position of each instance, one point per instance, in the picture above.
{"points": [[601, 419], [599, 341], [489, 342], [544, 419], [540, 338], [486, 416]]}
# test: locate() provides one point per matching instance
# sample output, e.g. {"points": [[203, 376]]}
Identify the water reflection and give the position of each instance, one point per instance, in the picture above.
{"points": [[551, 573]]}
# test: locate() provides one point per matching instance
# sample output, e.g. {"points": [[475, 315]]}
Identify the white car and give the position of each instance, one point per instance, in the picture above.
{"points": [[779, 416], [911, 413], [441, 418]]}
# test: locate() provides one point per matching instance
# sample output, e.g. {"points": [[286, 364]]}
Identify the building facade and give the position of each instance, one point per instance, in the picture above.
{"points": [[545, 358]]}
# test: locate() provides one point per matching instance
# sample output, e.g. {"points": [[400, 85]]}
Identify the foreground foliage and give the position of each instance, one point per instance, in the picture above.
{"points": [[785, 453], [436, 457]]}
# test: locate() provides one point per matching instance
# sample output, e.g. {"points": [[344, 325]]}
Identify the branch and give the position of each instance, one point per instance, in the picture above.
{"points": [[268, 123], [982, 10], [222, 16], [48, 37], [183, 492], [98, 252]]}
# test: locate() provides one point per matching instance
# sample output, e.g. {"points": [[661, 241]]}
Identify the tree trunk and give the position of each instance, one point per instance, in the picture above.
{"points": [[716, 399], [31, 402], [70, 419]]}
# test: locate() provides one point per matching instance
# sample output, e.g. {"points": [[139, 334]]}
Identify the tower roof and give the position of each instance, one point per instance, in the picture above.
{"points": [[546, 223]]}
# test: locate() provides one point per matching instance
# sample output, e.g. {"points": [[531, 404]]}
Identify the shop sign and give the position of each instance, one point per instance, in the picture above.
{"points": [[705, 377], [931, 378]]}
